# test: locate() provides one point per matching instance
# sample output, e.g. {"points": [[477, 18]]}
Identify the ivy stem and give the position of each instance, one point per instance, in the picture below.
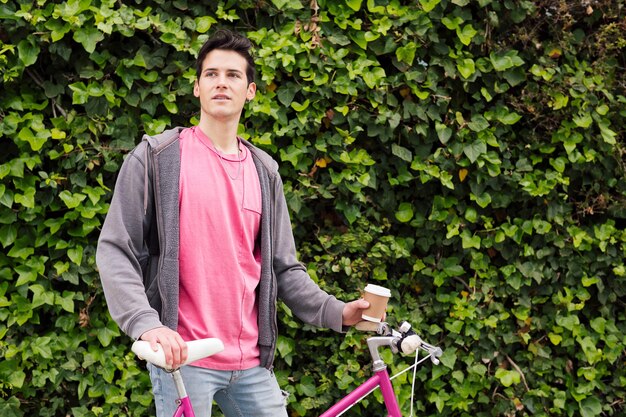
{"points": [[517, 368], [37, 79]]}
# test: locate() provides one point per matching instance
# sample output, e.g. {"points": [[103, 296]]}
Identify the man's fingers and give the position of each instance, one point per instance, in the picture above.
{"points": [[154, 345], [173, 345], [183, 350], [176, 353], [353, 310], [178, 350]]}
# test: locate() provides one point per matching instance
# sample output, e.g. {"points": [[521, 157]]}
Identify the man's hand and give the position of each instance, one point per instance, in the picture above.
{"points": [[352, 312], [173, 345]]}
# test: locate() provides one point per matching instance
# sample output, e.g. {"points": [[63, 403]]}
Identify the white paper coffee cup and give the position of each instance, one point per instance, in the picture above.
{"points": [[378, 297]]}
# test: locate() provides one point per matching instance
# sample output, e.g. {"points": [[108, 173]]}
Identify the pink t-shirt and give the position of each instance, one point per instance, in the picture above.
{"points": [[220, 261]]}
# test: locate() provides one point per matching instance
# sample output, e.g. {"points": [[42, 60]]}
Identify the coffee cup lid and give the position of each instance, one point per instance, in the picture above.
{"points": [[378, 290]]}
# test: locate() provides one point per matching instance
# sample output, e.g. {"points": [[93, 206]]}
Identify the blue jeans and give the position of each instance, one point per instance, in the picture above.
{"points": [[249, 393]]}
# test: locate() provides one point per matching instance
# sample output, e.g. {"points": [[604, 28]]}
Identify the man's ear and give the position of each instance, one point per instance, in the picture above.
{"points": [[196, 89], [251, 91]]}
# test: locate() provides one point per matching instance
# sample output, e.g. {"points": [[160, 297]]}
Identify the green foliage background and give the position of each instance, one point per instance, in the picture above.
{"points": [[467, 154]]}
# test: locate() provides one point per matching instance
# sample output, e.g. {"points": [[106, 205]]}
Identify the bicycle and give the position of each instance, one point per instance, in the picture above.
{"points": [[402, 340]]}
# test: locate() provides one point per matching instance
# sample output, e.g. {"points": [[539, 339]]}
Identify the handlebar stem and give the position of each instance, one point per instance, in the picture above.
{"points": [[373, 344]]}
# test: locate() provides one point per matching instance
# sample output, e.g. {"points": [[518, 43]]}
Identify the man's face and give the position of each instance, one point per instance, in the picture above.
{"points": [[223, 86]]}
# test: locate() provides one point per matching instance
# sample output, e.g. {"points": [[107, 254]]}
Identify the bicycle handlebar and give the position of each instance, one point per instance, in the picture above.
{"points": [[403, 340]]}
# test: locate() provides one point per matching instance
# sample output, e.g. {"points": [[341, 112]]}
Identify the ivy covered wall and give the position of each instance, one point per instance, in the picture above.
{"points": [[469, 155]]}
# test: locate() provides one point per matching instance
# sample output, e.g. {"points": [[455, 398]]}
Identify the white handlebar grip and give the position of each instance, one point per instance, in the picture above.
{"points": [[410, 344], [196, 349]]}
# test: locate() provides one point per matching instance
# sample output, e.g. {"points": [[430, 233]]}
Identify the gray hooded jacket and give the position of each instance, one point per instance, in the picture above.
{"points": [[137, 254]]}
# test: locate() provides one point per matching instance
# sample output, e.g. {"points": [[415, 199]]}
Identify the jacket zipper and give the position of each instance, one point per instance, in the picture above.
{"points": [[159, 223]]}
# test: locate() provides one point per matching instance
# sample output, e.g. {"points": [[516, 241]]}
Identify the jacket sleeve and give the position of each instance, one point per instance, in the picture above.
{"points": [[122, 253], [295, 287]]}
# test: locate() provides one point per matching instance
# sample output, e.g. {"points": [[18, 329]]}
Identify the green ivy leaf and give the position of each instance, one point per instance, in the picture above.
{"points": [[106, 333], [58, 29], [71, 200], [204, 23], [300, 107], [590, 407], [466, 67], [478, 123], [608, 135], [404, 214], [483, 200], [466, 34], [354, 4], [402, 152], [5, 169], [583, 120], [555, 338], [41, 346], [448, 359], [41, 296], [452, 23], [8, 234], [515, 76], [429, 5], [88, 36], [285, 346], [287, 4], [22, 252], [76, 254], [470, 241], [350, 211], [509, 118], [65, 301], [406, 53], [28, 52], [508, 377], [474, 150], [36, 141], [306, 386], [11, 406], [504, 61], [359, 38], [443, 132]]}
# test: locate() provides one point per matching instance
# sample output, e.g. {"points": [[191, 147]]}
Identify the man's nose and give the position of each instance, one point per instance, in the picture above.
{"points": [[221, 80]]}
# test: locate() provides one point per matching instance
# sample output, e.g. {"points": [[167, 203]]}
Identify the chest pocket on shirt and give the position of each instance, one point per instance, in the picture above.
{"points": [[252, 195], [255, 210], [250, 204]]}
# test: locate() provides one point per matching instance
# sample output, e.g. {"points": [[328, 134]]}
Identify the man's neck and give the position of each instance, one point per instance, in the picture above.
{"points": [[222, 134]]}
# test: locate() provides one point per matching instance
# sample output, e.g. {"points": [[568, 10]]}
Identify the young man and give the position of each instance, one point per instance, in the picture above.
{"points": [[198, 243]]}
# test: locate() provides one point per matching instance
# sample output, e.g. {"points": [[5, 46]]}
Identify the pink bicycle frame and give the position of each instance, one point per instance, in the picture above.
{"points": [[184, 408], [380, 379]]}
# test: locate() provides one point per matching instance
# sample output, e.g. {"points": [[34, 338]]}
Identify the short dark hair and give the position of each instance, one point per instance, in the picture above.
{"points": [[226, 40]]}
